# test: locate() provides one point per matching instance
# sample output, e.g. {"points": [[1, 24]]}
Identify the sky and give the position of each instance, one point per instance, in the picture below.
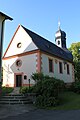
{"points": [[41, 17]]}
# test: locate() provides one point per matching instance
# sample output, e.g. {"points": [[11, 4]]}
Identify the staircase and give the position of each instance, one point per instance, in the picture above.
{"points": [[15, 91], [15, 98]]}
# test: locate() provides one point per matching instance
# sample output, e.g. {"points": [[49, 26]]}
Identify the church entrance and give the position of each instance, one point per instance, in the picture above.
{"points": [[18, 80]]}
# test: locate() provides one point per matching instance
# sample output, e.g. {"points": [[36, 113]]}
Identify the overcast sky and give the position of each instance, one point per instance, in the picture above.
{"points": [[42, 16]]}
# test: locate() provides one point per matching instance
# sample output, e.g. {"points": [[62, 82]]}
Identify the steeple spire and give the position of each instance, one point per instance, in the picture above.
{"points": [[60, 37], [59, 25]]}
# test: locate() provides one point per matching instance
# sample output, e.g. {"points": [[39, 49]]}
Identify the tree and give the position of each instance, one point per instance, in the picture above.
{"points": [[77, 71], [75, 49]]}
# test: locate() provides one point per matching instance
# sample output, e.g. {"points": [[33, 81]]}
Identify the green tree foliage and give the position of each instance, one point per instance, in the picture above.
{"points": [[75, 49], [77, 71]]}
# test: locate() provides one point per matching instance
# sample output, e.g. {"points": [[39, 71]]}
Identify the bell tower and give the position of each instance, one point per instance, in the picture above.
{"points": [[60, 37]]}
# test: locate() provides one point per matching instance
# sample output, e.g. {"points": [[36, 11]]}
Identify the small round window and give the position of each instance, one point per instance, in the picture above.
{"points": [[18, 63], [19, 45]]}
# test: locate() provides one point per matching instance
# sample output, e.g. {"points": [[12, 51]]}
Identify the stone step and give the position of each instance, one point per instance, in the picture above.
{"points": [[26, 99], [15, 102], [15, 99], [11, 94]]}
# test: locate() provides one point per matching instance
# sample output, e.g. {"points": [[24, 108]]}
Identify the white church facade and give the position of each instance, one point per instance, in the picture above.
{"points": [[28, 53]]}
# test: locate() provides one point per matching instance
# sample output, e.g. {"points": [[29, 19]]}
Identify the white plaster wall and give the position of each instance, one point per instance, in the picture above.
{"points": [[28, 67], [8, 74], [45, 65], [25, 39], [45, 69]]}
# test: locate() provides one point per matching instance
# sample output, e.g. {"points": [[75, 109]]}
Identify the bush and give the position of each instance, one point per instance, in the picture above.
{"points": [[26, 89], [43, 101], [50, 87], [47, 90], [31, 89], [23, 89], [37, 76], [6, 90], [76, 87]]}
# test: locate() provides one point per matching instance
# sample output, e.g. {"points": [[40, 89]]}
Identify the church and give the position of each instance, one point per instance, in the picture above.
{"points": [[28, 53]]}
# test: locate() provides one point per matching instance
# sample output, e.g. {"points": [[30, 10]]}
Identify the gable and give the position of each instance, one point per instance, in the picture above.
{"points": [[21, 42]]}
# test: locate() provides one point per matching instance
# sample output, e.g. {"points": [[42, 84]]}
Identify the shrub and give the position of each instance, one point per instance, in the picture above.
{"points": [[26, 89], [43, 101], [30, 90], [47, 90], [37, 76], [50, 87], [76, 87], [6, 90], [23, 89]]}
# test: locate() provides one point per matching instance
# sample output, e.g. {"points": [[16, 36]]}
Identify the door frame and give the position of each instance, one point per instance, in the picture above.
{"points": [[15, 78]]}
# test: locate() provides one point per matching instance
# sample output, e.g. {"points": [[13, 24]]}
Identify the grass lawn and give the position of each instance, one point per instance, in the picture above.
{"points": [[69, 101]]}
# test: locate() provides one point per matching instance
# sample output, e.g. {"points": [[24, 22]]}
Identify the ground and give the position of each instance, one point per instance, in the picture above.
{"points": [[68, 110], [7, 111], [40, 114]]}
